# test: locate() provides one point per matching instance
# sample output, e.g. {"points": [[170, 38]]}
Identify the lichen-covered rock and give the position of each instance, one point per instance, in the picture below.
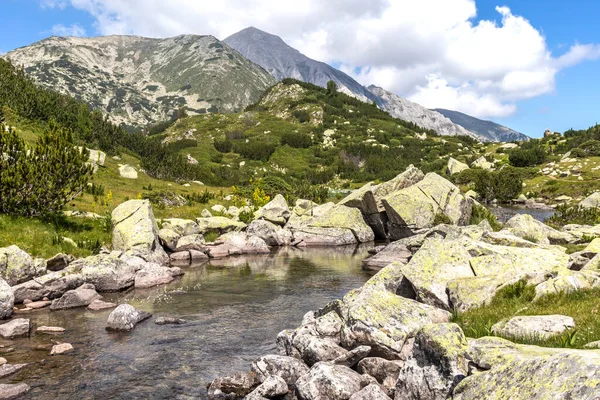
{"points": [[51, 285], [534, 326], [593, 246], [482, 163], [328, 381], [345, 218], [184, 227], [512, 371], [7, 299], [567, 282], [416, 207], [275, 211], [58, 262], [435, 264], [125, 317], [191, 242], [438, 362], [394, 252], [454, 166], [136, 232], [169, 238], [16, 265], [272, 234], [237, 243], [219, 224], [409, 177], [152, 275], [314, 236], [109, 272], [83, 296], [288, 368], [15, 328], [233, 387], [525, 226], [471, 292]]}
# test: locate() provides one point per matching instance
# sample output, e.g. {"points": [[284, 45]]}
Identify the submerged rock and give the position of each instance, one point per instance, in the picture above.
{"points": [[125, 317], [98, 305], [9, 391], [169, 321]]}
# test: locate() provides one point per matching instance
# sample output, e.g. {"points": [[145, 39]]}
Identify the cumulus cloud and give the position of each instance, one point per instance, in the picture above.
{"points": [[434, 52], [70, 30]]}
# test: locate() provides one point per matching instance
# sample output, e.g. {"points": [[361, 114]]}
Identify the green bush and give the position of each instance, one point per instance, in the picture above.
{"points": [[246, 217], [564, 215], [481, 213], [223, 146], [578, 153], [503, 185], [301, 115], [527, 156], [255, 150], [296, 140], [591, 147]]}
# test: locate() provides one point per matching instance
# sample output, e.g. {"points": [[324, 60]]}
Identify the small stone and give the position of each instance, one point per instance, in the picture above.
{"points": [[98, 304], [50, 329], [61, 348], [169, 321], [35, 305]]}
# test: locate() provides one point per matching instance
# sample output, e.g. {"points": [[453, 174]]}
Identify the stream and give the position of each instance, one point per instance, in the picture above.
{"points": [[234, 310]]}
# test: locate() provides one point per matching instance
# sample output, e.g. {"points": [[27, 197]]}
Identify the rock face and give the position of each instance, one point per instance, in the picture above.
{"points": [[16, 266], [534, 326], [140, 81], [529, 372], [80, 297], [416, 207], [455, 166], [7, 300], [276, 211], [136, 232], [125, 318], [491, 130]]}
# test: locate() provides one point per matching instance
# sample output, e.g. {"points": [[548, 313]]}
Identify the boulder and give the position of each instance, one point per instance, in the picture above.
{"points": [[438, 362], [527, 227], [411, 176], [304, 207], [182, 257], [455, 166], [384, 371], [394, 252], [109, 272], [125, 317], [275, 211], [436, 263], [592, 201], [136, 232], [51, 285], [16, 266], [420, 206], [169, 238], [10, 391], [233, 387], [288, 368], [512, 371], [237, 243], [58, 262], [80, 297], [314, 349], [127, 171], [15, 328], [219, 224], [482, 163], [61, 348], [7, 300], [152, 275], [351, 358], [345, 218], [272, 387], [472, 292], [9, 369], [191, 242], [370, 392], [272, 234], [314, 236], [328, 381], [593, 246], [567, 282], [169, 321], [183, 227], [534, 326]]}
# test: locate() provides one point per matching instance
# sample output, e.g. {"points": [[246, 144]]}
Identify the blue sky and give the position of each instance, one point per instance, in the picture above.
{"points": [[562, 23]]}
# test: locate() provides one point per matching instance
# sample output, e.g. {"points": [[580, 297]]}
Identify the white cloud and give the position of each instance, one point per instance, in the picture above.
{"points": [[432, 51], [54, 3], [71, 30]]}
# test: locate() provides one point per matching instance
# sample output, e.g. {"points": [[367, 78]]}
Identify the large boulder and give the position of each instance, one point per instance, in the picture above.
{"points": [[51, 285], [169, 238], [592, 201], [328, 381], [125, 317], [422, 205], [455, 166], [568, 282], [7, 299], [80, 297], [191, 242], [314, 236], [384, 371], [57, 263], [272, 234], [136, 232], [314, 349], [219, 224], [16, 265], [438, 362], [370, 392], [275, 211], [272, 387], [527, 227], [512, 371], [409, 177], [109, 272], [533, 326]]}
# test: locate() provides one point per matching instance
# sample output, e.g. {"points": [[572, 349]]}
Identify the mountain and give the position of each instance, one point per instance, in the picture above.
{"points": [[283, 61], [493, 131], [139, 80], [424, 117]]}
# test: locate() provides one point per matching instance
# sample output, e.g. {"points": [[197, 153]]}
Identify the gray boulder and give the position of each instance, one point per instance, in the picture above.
{"points": [[454, 166], [328, 381], [272, 387], [109, 272], [10, 391], [237, 243], [15, 328], [592, 201], [525, 226], [384, 371], [135, 231], [314, 349], [153, 275], [169, 238], [51, 285], [237, 386], [288, 368], [16, 265], [275, 211], [191, 242], [534, 326], [272, 234], [394, 252], [371, 392], [125, 317], [183, 227], [219, 224], [58, 262], [80, 297]]}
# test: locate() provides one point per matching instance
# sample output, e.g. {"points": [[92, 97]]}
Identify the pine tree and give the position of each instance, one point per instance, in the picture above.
{"points": [[39, 181]]}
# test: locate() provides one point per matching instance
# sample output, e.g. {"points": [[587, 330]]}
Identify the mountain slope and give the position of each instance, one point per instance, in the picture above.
{"points": [[424, 117], [283, 61], [140, 80], [489, 129]]}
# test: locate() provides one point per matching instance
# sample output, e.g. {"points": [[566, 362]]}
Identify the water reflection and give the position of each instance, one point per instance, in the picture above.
{"points": [[234, 307]]}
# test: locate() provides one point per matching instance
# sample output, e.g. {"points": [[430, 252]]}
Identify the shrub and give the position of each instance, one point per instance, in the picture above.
{"points": [[441, 218], [246, 217], [481, 213], [296, 140], [503, 185], [528, 156], [223, 146], [591, 147], [564, 215], [255, 150], [301, 115], [578, 153]]}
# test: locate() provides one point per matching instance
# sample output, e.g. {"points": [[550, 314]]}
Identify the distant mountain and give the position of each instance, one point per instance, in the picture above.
{"points": [[283, 61], [491, 130], [139, 80], [424, 117]]}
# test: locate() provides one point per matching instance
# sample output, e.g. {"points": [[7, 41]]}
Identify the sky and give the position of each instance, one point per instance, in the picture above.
{"points": [[527, 64]]}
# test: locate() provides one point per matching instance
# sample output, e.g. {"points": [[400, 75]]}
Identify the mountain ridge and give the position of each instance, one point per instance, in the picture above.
{"points": [[495, 131]]}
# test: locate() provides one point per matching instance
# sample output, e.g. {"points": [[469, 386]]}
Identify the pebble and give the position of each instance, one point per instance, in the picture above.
{"points": [[61, 348]]}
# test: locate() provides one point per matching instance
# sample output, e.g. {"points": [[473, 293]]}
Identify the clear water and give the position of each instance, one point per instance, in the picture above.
{"points": [[235, 308]]}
